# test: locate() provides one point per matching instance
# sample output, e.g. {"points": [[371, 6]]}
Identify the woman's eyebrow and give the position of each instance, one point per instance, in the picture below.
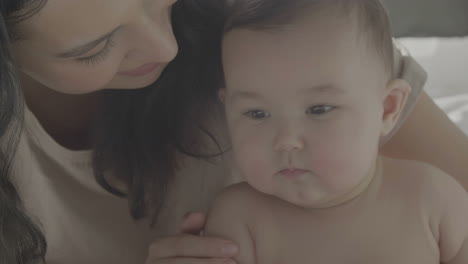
{"points": [[82, 49]]}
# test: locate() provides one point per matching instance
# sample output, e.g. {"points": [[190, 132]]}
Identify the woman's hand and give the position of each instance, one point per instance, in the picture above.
{"points": [[189, 247]]}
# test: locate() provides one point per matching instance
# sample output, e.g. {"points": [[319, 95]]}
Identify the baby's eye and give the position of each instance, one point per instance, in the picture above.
{"points": [[320, 109], [257, 114]]}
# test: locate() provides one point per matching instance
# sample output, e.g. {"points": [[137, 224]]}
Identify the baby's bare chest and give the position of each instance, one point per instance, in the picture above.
{"points": [[385, 236]]}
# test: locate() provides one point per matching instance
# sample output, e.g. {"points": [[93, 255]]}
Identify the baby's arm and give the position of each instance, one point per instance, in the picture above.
{"points": [[228, 218], [452, 230]]}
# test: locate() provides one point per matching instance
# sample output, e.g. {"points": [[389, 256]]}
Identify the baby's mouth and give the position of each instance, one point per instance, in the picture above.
{"points": [[292, 173]]}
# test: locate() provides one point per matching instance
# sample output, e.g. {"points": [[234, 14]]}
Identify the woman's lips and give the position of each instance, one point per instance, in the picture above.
{"points": [[292, 173], [142, 70]]}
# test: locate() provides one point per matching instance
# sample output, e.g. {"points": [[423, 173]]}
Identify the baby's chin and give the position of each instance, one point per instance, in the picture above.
{"points": [[315, 199]]}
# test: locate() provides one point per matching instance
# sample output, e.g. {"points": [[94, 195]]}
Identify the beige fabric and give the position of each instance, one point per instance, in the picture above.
{"points": [[82, 222], [85, 224]]}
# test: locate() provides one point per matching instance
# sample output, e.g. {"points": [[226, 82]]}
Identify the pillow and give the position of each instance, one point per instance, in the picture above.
{"points": [[423, 18]]}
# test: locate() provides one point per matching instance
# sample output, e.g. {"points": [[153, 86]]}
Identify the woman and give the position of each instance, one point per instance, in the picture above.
{"points": [[88, 144]]}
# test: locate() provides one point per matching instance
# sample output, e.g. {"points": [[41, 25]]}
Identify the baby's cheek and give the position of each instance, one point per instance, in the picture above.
{"points": [[252, 163], [337, 166], [254, 166]]}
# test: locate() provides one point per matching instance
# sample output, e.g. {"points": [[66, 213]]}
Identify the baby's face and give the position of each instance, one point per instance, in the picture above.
{"points": [[304, 107]]}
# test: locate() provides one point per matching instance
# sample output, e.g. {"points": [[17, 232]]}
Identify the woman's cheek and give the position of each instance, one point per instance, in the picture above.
{"points": [[73, 77], [78, 77]]}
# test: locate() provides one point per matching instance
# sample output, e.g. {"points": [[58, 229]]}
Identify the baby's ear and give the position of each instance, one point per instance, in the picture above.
{"points": [[222, 95], [395, 96]]}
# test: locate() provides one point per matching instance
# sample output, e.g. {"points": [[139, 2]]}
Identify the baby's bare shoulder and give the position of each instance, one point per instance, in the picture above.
{"points": [[415, 173], [237, 199], [422, 180], [240, 192], [232, 213], [441, 198]]}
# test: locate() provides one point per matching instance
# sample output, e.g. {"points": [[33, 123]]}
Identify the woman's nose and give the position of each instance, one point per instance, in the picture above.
{"points": [[156, 39], [161, 43]]}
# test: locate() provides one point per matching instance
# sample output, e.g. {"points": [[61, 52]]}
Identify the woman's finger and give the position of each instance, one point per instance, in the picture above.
{"points": [[194, 222]]}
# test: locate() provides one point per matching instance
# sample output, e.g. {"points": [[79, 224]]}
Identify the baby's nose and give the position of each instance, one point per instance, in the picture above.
{"points": [[289, 140]]}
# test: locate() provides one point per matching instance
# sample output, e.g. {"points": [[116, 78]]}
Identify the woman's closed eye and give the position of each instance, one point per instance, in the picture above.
{"points": [[100, 55], [320, 110]]}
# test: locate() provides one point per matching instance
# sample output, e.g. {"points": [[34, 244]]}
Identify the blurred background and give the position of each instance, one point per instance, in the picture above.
{"points": [[435, 33]]}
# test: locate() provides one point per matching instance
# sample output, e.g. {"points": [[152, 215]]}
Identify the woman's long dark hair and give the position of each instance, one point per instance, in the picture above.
{"points": [[139, 136], [21, 241], [153, 128]]}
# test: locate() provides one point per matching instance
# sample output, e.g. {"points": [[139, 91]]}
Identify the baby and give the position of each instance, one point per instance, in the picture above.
{"points": [[309, 95]]}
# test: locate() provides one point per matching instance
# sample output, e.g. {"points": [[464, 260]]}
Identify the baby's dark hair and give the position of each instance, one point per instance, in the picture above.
{"points": [[265, 15]]}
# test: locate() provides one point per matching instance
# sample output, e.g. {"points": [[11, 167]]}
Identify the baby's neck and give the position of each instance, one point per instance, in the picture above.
{"points": [[356, 191]]}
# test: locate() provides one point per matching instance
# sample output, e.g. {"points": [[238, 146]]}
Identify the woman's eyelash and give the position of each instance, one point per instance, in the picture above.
{"points": [[100, 56]]}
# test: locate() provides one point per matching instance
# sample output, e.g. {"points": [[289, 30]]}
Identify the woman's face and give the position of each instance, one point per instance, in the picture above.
{"points": [[82, 46]]}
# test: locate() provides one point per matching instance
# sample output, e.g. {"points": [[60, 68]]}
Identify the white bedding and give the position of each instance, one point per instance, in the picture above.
{"points": [[446, 61]]}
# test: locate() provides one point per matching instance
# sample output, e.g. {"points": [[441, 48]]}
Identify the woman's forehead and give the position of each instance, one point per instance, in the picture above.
{"points": [[73, 20]]}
